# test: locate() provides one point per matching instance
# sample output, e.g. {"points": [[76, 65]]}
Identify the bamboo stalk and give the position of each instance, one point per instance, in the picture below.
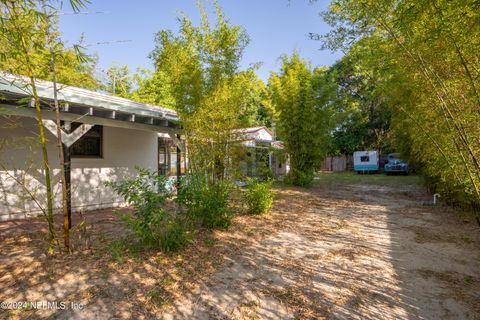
{"points": [[43, 140]]}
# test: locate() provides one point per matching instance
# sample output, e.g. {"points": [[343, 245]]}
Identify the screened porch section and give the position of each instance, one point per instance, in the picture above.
{"points": [[170, 157]]}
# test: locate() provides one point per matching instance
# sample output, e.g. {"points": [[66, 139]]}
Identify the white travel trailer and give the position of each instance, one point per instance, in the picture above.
{"points": [[366, 161]]}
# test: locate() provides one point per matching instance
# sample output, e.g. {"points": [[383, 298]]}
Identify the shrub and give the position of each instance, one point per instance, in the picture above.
{"points": [[259, 196], [299, 178], [154, 226], [207, 202], [265, 173]]}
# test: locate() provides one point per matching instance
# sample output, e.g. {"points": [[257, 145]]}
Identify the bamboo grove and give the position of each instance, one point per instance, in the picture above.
{"points": [[422, 58]]}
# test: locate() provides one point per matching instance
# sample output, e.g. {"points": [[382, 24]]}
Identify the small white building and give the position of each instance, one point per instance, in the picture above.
{"points": [[263, 151], [104, 138]]}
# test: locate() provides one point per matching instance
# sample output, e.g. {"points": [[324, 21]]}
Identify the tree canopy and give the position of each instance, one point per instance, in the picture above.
{"points": [[198, 68], [72, 68], [118, 81], [302, 97], [422, 58], [362, 113]]}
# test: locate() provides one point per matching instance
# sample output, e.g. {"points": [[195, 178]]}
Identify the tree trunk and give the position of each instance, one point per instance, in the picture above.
{"points": [[65, 193], [46, 166]]}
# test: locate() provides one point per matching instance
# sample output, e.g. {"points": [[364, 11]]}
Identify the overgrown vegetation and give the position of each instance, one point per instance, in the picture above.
{"points": [[202, 81], [147, 192], [333, 179], [197, 73], [206, 202], [301, 97], [421, 58], [201, 64], [259, 196]]}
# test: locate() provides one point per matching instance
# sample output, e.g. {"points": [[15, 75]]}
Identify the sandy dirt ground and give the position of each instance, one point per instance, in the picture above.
{"points": [[353, 249]]}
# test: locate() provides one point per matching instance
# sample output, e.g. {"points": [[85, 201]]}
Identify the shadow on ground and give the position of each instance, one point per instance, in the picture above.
{"points": [[353, 250]]}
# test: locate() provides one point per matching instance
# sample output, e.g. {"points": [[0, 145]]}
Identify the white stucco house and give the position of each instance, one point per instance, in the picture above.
{"points": [[104, 138]]}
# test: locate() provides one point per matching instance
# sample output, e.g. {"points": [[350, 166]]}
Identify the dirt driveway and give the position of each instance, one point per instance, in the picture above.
{"points": [[351, 247]]}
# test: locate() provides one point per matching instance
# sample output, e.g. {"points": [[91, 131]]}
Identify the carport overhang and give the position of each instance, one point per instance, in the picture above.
{"points": [[84, 106]]}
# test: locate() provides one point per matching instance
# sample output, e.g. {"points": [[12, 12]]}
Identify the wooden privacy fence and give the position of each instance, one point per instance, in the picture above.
{"points": [[337, 164]]}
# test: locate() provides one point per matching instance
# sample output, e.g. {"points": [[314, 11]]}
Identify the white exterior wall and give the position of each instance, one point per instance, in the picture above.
{"points": [[123, 149], [263, 134], [260, 134]]}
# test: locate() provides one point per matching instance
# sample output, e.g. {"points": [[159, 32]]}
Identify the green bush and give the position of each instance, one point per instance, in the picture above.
{"points": [[265, 173], [206, 202], [299, 178], [154, 226], [259, 196]]}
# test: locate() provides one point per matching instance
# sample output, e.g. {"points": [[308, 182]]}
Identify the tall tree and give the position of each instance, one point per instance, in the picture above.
{"points": [[152, 88], [424, 58], [70, 69], [201, 67], [362, 111], [29, 48], [118, 81], [301, 98]]}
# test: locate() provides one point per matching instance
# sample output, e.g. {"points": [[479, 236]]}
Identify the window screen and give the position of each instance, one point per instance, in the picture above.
{"points": [[90, 144]]}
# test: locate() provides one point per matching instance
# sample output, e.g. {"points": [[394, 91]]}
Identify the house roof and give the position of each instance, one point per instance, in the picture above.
{"points": [[250, 137], [253, 130], [87, 103]]}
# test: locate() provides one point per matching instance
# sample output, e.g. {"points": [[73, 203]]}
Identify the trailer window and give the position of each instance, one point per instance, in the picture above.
{"points": [[364, 159]]}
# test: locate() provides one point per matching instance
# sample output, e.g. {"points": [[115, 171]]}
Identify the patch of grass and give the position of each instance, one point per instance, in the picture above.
{"points": [[117, 250], [337, 178], [168, 280], [157, 297], [248, 231], [209, 242], [135, 251], [179, 260], [468, 279], [121, 249], [160, 259], [207, 257], [102, 237]]}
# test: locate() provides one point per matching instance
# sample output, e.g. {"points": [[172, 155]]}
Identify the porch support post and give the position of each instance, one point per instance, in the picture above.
{"points": [[67, 168], [68, 139], [176, 140], [179, 162]]}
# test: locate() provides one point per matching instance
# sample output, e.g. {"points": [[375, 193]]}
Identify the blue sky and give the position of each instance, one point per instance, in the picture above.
{"points": [[275, 27]]}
